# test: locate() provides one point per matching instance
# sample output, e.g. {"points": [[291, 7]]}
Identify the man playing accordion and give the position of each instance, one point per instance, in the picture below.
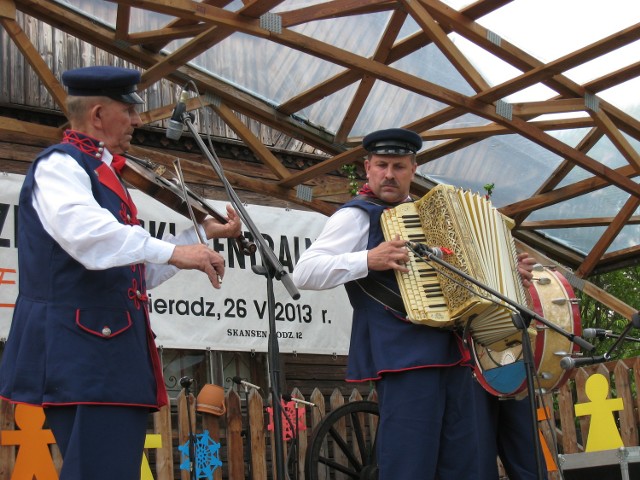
{"points": [[425, 389]]}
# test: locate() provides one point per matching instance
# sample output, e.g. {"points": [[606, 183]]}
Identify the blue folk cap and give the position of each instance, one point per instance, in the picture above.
{"points": [[103, 81], [392, 141]]}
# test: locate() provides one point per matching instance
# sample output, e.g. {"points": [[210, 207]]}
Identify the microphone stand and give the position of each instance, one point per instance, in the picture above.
{"points": [[628, 339], [271, 268], [247, 431], [185, 382], [619, 339], [605, 357], [521, 320]]}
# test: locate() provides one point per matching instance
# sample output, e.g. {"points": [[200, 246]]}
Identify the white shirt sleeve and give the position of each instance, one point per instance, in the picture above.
{"points": [[91, 234], [339, 254]]}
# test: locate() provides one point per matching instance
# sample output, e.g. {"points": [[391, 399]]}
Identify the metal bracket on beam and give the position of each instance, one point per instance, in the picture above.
{"points": [[494, 38], [120, 43], [591, 102], [212, 99], [271, 22], [504, 109], [304, 193]]}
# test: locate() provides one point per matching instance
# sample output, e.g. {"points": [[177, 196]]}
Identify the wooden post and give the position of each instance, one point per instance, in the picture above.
{"points": [[7, 453], [628, 416], [164, 455], [336, 401], [211, 424], [317, 414], [183, 424], [258, 453], [235, 449], [301, 432]]}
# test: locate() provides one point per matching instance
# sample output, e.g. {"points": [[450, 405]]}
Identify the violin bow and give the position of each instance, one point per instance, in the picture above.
{"points": [[178, 167]]}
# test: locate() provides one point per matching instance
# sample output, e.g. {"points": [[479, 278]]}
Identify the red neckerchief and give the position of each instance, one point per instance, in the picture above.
{"points": [[366, 191], [118, 162]]}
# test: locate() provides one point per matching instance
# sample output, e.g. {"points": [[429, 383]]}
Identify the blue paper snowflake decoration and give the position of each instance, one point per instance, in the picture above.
{"points": [[206, 453]]}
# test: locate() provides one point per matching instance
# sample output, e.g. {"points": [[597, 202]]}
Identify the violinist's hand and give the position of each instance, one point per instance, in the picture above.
{"points": [[199, 257], [389, 255], [525, 268], [232, 229]]}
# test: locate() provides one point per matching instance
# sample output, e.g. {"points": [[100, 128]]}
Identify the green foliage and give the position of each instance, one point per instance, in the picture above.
{"points": [[625, 285], [350, 171], [489, 189]]}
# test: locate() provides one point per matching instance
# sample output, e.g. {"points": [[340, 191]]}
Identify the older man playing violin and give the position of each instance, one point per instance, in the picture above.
{"points": [[80, 343]]}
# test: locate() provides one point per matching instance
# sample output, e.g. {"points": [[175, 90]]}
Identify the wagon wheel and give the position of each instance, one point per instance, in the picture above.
{"points": [[343, 445]]}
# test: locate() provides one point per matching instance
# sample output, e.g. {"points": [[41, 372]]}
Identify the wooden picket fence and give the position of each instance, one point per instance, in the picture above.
{"points": [[567, 430]]}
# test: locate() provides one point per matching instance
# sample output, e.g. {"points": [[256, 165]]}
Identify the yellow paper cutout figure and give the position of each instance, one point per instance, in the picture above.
{"points": [[34, 458], [152, 440], [603, 432]]}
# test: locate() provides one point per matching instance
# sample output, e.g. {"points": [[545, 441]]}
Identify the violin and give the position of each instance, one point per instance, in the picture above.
{"points": [[147, 177]]}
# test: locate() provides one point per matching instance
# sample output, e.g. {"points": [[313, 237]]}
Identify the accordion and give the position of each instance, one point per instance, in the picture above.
{"points": [[482, 247]]}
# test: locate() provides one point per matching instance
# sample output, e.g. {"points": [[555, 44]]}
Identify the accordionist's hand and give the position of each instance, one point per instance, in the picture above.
{"points": [[392, 255], [525, 268]]}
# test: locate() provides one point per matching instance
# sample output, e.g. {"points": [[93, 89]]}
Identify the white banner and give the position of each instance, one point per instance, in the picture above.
{"points": [[187, 312]]}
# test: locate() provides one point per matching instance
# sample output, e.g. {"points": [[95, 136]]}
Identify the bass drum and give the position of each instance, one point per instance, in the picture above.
{"points": [[502, 373]]}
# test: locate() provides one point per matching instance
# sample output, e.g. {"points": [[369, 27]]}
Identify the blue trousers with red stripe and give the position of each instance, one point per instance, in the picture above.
{"points": [[99, 442], [427, 427], [506, 425]]}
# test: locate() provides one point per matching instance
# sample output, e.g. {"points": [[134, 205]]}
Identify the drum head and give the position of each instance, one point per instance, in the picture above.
{"points": [[502, 373], [554, 300]]}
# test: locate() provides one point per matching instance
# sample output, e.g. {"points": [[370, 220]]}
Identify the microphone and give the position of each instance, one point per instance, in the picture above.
{"points": [[244, 383], [602, 333], [185, 382], [423, 250], [175, 126], [596, 333], [289, 398], [568, 363]]}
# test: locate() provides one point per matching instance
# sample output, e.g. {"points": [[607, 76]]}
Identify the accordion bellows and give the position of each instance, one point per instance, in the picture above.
{"points": [[482, 247]]}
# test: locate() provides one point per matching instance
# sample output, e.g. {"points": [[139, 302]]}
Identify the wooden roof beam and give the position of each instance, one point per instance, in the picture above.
{"points": [[484, 131], [123, 17], [400, 50], [205, 40], [617, 139], [523, 61], [561, 105], [254, 143], [19, 127], [439, 36], [366, 84], [560, 173], [32, 56], [334, 9], [562, 223], [74, 23], [613, 79], [166, 34], [178, 23], [336, 55], [567, 192], [610, 234]]}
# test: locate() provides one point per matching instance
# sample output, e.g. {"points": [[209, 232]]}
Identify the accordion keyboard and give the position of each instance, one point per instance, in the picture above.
{"points": [[423, 298]]}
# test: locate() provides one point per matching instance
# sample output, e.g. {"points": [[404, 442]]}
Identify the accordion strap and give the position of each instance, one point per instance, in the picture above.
{"points": [[374, 289], [382, 294]]}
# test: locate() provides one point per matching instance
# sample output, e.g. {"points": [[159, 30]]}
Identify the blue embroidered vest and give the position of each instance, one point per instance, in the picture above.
{"points": [[381, 340], [78, 335]]}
